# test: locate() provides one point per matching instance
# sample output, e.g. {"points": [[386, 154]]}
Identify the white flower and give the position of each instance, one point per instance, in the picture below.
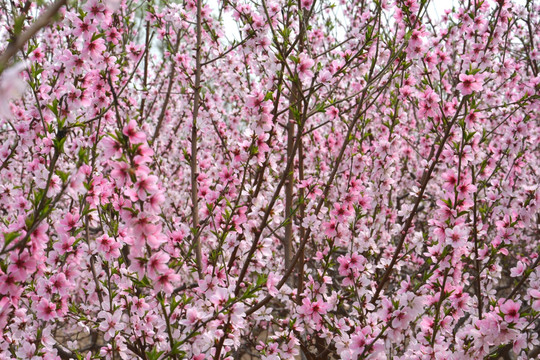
{"points": [[11, 87]]}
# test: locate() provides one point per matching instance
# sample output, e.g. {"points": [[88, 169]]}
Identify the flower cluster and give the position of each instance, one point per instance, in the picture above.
{"points": [[355, 180]]}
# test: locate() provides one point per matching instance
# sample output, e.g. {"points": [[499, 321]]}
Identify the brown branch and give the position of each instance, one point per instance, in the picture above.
{"points": [[167, 95], [193, 160], [300, 251], [20, 40], [289, 184], [425, 180], [478, 286]]}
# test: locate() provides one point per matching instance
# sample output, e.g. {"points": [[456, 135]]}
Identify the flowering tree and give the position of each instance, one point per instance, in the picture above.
{"points": [[342, 180]]}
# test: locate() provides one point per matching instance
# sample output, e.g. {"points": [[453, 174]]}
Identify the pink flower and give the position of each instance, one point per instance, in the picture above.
{"points": [[416, 38], [139, 305], [59, 284], [430, 96], [219, 297], [135, 136], [113, 35], [344, 265], [271, 283], [330, 228], [94, 48], [153, 203], [39, 237], [304, 66], [469, 83], [21, 265], [112, 148], [191, 318], [325, 76], [518, 270], [157, 264], [535, 294], [146, 184], [109, 247], [135, 51], [165, 281], [465, 188], [83, 27], [445, 212], [64, 245], [313, 310], [450, 180], [156, 239], [255, 100], [95, 10], [406, 91], [520, 343], [8, 284], [5, 307], [138, 265], [456, 237], [358, 343], [263, 123], [37, 55], [342, 212], [69, 221], [510, 309], [143, 225], [46, 310], [400, 319], [11, 87], [120, 173], [332, 112], [306, 4], [111, 324], [27, 351]]}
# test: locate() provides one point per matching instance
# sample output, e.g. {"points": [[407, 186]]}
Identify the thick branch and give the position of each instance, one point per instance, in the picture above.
{"points": [[20, 40], [196, 100]]}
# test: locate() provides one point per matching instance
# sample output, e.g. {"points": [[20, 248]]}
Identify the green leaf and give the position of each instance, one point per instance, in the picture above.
{"points": [[154, 354], [54, 107], [62, 175], [59, 144], [9, 237]]}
